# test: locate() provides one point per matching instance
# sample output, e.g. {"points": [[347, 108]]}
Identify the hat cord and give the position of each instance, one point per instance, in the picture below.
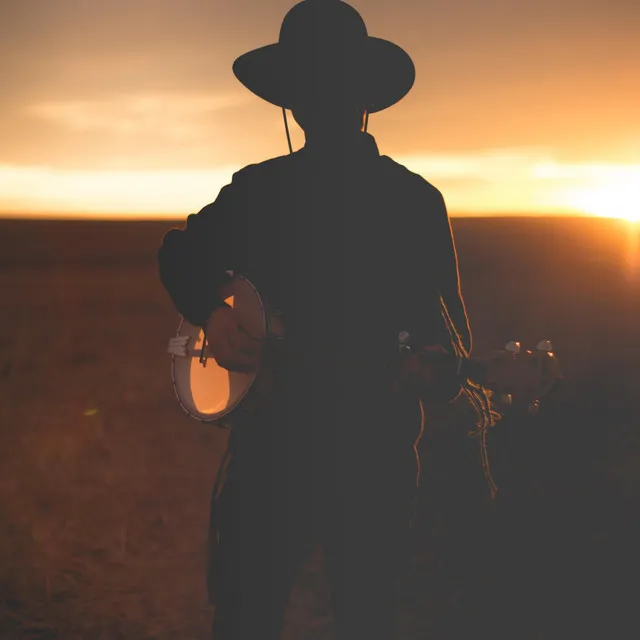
{"points": [[286, 126]]}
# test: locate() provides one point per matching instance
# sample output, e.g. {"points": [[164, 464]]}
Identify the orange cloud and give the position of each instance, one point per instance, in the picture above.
{"points": [[178, 116]]}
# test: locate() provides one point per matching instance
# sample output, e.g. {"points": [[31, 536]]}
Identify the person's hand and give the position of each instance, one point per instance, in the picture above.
{"points": [[417, 371], [229, 344], [430, 373]]}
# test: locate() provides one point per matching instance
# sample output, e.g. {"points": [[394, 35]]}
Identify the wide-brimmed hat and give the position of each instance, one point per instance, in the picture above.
{"points": [[324, 50]]}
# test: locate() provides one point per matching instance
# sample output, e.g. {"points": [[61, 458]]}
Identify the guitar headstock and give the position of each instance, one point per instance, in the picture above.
{"points": [[520, 377]]}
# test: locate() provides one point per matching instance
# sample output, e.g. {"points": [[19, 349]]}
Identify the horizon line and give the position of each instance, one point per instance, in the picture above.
{"points": [[42, 216]]}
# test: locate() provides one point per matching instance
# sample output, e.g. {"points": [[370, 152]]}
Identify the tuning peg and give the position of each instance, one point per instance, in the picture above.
{"points": [[513, 347], [545, 345], [403, 342]]}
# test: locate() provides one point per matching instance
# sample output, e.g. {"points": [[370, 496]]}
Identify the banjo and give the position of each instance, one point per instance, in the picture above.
{"points": [[205, 390], [212, 394]]}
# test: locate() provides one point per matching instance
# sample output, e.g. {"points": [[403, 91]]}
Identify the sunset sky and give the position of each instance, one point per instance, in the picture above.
{"points": [[121, 107]]}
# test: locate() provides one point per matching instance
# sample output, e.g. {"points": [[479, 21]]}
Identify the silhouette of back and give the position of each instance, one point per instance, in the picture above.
{"points": [[353, 248]]}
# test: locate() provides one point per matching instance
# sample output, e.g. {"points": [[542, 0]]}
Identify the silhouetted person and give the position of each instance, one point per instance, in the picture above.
{"points": [[353, 248]]}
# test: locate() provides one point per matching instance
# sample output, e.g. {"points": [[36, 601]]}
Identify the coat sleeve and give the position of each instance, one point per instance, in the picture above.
{"points": [[447, 271], [193, 261]]}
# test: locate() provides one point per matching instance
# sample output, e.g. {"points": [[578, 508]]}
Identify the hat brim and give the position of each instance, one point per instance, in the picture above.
{"points": [[386, 74]]}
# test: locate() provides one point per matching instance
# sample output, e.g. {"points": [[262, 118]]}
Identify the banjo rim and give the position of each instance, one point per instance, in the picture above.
{"points": [[220, 418]]}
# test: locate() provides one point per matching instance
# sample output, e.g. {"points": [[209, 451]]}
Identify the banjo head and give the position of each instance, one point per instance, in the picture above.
{"points": [[211, 393]]}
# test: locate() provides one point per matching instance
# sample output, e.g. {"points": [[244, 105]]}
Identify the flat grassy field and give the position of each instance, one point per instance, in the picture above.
{"points": [[105, 483]]}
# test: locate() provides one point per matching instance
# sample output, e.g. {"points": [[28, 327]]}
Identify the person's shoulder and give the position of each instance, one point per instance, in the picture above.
{"points": [[251, 177], [412, 181], [264, 169]]}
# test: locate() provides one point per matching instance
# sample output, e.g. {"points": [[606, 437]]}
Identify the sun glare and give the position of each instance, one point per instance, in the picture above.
{"points": [[124, 194], [613, 196], [523, 183]]}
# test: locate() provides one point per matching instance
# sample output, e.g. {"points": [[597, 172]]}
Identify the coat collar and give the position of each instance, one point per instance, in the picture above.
{"points": [[361, 145]]}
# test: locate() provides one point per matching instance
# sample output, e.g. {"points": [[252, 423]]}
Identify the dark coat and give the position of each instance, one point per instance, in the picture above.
{"points": [[352, 246]]}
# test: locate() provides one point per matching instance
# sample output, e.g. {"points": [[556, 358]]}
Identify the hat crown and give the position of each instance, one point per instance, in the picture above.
{"points": [[325, 52], [314, 24]]}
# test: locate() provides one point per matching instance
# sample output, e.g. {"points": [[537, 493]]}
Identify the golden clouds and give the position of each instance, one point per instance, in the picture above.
{"points": [[178, 116]]}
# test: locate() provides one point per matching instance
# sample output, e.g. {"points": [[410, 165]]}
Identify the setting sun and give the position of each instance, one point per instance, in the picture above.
{"points": [[502, 182], [611, 196]]}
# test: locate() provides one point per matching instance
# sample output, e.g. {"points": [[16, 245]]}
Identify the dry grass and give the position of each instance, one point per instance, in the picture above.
{"points": [[105, 484]]}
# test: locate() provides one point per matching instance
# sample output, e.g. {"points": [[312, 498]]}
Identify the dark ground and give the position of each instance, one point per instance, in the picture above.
{"points": [[105, 483]]}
